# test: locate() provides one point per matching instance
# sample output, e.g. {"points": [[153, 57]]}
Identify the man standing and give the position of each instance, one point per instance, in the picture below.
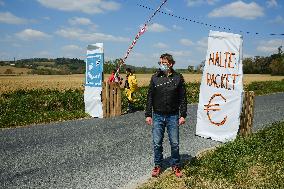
{"points": [[167, 99]]}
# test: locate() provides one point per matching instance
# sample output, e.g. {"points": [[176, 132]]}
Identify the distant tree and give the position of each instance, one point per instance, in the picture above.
{"points": [[108, 66], [190, 68], [277, 66], [280, 50], [200, 67], [248, 67]]}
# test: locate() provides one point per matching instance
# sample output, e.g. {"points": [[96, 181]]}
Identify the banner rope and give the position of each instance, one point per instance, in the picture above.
{"points": [[209, 25]]}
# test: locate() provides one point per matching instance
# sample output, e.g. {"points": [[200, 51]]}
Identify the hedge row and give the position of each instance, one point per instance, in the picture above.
{"points": [[23, 107]]}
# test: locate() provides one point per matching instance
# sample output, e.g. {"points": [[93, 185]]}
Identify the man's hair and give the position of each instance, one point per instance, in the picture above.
{"points": [[168, 57]]}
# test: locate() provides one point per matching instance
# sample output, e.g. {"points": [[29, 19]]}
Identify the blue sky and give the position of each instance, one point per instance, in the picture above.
{"points": [[64, 28]]}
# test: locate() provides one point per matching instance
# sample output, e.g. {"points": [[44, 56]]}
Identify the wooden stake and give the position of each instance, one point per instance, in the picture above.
{"points": [[111, 96], [246, 119]]}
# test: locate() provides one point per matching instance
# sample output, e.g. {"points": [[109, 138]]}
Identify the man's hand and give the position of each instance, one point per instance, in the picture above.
{"points": [[181, 121], [149, 120]]}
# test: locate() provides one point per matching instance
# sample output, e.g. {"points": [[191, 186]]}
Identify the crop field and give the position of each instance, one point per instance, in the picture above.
{"points": [[14, 70], [63, 82]]}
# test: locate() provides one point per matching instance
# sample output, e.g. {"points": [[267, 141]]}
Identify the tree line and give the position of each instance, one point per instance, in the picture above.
{"points": [[273, 65]]}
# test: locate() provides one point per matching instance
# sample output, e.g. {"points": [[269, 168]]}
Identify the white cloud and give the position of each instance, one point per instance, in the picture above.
{"points": [[180, 53], [71, 33], [138, 58], [72, 51], [155, 27], [161, 45], [2, 3], [175, 27], [138, 55], [79, 21], [270, 46], [202, 44], [192, 3], [16, 45], [45, 54], [30, 34], [168, 10], [186, 42], [46, 18], [4, 56], [71, 48], [9, 18], [271, 3], [277, 20], [75, 33], [239, 9], [248, 55], [86, 6], [109, 5]]}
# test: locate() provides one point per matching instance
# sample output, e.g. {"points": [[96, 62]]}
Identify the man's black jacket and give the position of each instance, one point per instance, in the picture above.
{"points": [[166, 95]]}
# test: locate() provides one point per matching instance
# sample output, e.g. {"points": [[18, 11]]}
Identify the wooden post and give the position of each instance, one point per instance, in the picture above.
{"points": [[104, 101], [107, 100], [246, 119], [111, 99], [118, 104]]}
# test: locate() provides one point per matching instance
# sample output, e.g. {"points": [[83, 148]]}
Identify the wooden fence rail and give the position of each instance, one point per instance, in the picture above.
{"points": [[111, 96], [246, 119]]}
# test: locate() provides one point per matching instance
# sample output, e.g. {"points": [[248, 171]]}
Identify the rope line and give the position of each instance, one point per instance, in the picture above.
{"points": [[206, 24]]}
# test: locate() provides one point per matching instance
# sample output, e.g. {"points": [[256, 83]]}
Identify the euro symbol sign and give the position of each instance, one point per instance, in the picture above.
{"points": [[212, 107]]}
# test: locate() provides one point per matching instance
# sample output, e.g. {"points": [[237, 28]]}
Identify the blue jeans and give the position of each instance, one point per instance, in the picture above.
{"points": [[160, 123]]}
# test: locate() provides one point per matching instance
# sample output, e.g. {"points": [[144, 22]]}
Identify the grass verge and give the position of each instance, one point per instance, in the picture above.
{"points": [[253, 162]]}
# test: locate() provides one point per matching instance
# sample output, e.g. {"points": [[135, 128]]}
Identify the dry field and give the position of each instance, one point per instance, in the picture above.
{"points": [[61, 82], [14, 70]]}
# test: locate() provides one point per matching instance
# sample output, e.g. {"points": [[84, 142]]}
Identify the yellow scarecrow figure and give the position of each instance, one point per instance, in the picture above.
{"points": [[131, 87]]}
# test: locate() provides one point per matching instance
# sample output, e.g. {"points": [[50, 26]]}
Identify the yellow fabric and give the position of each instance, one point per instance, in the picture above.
{"points": [[132, 83], [133, 86]]}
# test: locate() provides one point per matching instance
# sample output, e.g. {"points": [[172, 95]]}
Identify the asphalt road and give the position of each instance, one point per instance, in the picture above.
{"points": [[100, 153]]}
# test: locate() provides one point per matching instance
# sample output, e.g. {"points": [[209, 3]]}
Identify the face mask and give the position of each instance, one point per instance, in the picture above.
{"points": [[164, 67]]}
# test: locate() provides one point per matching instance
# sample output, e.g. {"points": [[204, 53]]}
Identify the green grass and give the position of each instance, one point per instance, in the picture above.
{"points": [[25, 107], [266, 87], [253, 162]]}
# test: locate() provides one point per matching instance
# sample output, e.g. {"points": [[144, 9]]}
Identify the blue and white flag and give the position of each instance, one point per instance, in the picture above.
{"points": [[94, 69], [93, 80]]}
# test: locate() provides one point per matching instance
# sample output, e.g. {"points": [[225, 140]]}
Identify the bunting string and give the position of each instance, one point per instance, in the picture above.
{"points": [[206, 24]]}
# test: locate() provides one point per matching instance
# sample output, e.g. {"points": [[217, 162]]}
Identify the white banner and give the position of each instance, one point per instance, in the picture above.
{"points": [[220, 98], [93, 80]]}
